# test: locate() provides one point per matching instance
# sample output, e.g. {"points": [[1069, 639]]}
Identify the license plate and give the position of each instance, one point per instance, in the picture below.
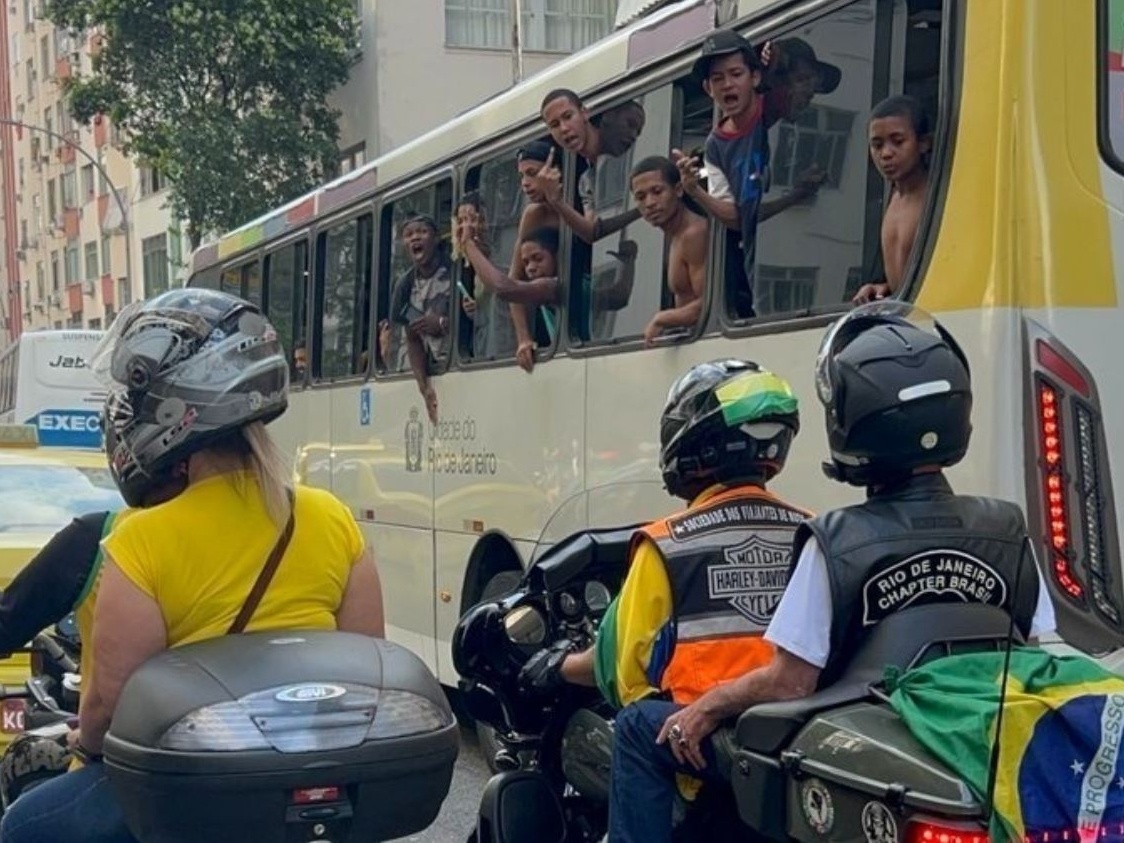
{"points": [[13, 716]]}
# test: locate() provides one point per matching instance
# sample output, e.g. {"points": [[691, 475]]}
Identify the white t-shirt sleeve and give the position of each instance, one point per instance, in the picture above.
{"points": [[716, 183], [1044, 622], [802, 622]]}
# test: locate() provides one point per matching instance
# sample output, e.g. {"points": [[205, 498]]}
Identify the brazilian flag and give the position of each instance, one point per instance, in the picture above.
{"points": [[1060, 773]]}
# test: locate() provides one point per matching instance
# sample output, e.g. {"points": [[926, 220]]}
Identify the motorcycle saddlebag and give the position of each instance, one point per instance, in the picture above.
{"points": [[281, 736]]}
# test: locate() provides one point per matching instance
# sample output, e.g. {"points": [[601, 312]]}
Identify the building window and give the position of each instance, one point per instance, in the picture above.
{"points": [[154, 254], [40, 281], [55, 280], [91, 253], [88, 182], [32, 80], [106, 262], [353, 158], [69, 190], [152, 181], [124, 293], [45, 54], [562, 26], [73, 269], [816, 138], [94, 325]]}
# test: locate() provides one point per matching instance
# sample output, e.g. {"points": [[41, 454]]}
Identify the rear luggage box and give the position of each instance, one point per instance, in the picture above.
{"points": [[282, 736]]}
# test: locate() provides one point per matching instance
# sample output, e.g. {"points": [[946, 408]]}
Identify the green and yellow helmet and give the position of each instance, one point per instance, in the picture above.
{"points": [[725, 421]]}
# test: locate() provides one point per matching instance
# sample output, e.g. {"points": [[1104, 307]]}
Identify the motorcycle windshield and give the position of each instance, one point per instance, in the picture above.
{"points": [[600, 507]]}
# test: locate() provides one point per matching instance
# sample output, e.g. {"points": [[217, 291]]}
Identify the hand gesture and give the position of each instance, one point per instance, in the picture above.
{"points": [[689, 174], [468, 305], [548, 180], [652, 332]]}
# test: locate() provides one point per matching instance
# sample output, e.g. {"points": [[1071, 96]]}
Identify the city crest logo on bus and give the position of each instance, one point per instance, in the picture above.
{"points": [[415, 442]]}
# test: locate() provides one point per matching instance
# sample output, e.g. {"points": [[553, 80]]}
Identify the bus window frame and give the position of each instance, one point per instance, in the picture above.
{"points": [[284, 243], [352, 213], [679, 67], [950, 75], [1104, 134], [385, 202], [239, 263], [474, 161]]}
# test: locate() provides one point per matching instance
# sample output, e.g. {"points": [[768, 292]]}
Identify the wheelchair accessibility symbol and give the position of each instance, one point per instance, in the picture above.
{"points": [[365, 406]]}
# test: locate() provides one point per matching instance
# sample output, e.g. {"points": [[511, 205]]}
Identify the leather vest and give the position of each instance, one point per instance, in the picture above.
{"points": [[728, 560], [916, 544]]}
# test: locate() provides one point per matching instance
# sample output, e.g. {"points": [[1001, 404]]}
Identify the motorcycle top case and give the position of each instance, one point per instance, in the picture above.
{"points": [[282, 736]]}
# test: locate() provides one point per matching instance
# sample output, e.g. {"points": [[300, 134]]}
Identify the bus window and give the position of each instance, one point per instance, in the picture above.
{"points": [[415, 279], [622, 281], [495, 187], [818, 223], [286, 272], [1112, 82], [231, 281], [343, 293], [251, 282], [207, 278]]}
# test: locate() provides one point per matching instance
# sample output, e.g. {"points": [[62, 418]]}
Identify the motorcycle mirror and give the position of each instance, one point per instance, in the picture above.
{"points": [[525, 625]]}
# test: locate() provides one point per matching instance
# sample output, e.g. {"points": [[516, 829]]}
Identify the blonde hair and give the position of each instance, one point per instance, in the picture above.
{"points": [[271, 469]]}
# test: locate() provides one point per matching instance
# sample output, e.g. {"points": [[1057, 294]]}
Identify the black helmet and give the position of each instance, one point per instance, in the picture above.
{"points": [[725, 420], [896, 391], [183, 369]]}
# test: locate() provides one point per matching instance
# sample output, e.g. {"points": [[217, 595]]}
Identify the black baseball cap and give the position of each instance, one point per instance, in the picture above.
{"points": [[797, 50], [724, 42], [537, 150]]}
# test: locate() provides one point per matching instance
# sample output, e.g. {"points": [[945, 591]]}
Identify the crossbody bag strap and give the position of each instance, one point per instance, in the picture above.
{"points": [[266, 575]]}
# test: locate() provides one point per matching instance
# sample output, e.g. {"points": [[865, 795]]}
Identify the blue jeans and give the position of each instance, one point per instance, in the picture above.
{"points": [[74, 806], [642, 785]]}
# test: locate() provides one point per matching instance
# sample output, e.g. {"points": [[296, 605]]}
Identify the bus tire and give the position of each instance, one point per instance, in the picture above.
{"points": [[499, 585]]}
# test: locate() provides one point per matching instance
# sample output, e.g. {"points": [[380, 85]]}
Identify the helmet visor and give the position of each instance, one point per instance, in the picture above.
{"points": [[843, 330]]}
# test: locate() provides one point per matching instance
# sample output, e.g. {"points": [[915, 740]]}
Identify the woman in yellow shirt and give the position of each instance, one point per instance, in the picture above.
{"points": [[195, 375]]}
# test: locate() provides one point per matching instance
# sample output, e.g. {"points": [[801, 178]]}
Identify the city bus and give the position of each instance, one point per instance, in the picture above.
{"points": [[46, 380], [1020, 254]]}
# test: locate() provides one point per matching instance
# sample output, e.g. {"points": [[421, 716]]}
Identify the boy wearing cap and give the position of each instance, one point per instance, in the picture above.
{"points": [[737, 150]]}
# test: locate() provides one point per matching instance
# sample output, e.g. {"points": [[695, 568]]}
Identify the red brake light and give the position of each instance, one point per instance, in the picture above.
{"points": [[1053, 362], [1056, 514], [312, 795], [928, 831]]}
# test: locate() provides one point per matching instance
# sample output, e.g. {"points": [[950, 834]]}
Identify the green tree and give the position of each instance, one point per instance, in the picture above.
{"points": [[226, 98]]}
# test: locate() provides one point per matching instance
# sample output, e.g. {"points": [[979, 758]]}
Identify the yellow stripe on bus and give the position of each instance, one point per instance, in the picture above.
{"points": [[1044, 241]]}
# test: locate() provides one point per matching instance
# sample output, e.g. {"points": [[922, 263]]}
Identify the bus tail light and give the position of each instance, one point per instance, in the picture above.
{"points": [[1069, 489]]}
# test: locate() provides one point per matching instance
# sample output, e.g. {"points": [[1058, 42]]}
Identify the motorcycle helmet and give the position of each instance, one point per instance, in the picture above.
{"points": [[896, 391], [33, 758], [726, 420], [183, 369]]}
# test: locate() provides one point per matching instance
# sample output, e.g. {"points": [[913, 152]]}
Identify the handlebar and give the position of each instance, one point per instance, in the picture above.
{"points": [[56, 653]]}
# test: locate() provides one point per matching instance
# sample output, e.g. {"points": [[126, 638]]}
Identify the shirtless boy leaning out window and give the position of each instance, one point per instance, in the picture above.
{"points": [[900, 141], [658, 192]]}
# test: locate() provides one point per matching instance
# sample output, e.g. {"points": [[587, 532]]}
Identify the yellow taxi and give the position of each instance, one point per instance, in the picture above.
{"points": [[41, 491]]}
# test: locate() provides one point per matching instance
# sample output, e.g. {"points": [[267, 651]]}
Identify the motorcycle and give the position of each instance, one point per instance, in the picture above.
{"points": [[48, 704], [838, 765]]}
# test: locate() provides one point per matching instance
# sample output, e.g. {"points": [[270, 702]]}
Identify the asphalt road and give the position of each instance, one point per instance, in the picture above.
{"points": [[458, 813]]}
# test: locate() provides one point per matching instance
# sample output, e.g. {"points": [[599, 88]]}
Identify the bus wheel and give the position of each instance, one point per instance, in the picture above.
{"points": [[499, 585]]}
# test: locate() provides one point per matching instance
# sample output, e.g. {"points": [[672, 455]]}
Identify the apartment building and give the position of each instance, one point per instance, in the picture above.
{"points": [[73, 256], [422, 62]]}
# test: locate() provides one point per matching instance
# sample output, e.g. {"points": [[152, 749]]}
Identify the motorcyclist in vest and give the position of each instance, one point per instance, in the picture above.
{"points": [[701, 586], [897, 396]]}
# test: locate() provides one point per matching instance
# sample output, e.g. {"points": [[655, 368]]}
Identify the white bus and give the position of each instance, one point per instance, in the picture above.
{"points": [[45, 380], [1020, 254]]}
